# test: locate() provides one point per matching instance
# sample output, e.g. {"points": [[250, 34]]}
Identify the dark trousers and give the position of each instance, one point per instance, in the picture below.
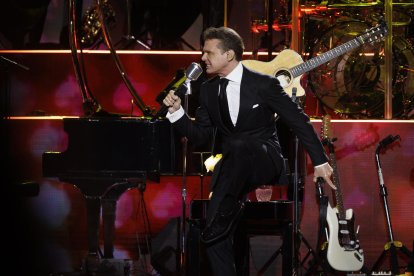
{"points": [[246, 164]]}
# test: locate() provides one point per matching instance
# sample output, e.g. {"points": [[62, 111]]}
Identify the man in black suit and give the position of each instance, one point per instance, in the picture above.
{"points": [[242, 126]]}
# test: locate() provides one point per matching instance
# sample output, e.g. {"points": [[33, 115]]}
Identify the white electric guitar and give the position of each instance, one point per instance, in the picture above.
{"points": [[289, 77], [344, 252]]}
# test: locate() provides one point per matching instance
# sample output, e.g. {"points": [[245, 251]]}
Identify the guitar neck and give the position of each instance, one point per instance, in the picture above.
{"points": [[338, 193], [325, 57]]}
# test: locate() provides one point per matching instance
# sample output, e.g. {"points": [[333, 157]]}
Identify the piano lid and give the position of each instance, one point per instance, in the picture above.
{"points": [[113, 144]]}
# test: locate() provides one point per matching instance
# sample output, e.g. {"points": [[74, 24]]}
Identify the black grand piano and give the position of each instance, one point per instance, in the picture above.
{"points": [[108, 154], [105, 157]]}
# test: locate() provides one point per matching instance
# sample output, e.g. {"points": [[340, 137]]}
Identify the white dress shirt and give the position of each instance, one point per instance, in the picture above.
{"points": [[233, 91], [233, 96]]}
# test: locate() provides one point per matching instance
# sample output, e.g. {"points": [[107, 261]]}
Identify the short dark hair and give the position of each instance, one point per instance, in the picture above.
{"points": [[230, 39]]}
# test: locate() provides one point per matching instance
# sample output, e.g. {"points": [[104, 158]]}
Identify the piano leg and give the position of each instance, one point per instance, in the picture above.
{"points": [[109, 202], [101, 193], [93, 205], [108, 218]]}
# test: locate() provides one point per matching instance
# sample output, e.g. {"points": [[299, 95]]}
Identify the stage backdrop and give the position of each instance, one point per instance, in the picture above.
{"points": [[49, 228]]}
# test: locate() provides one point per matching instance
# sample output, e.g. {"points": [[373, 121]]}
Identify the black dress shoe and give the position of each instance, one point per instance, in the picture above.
{"points": [[221, 224]]}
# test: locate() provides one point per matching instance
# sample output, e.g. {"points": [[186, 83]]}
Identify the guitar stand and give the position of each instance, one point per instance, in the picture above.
{"points": [[319, 255], [320, 258], [392, 246]]}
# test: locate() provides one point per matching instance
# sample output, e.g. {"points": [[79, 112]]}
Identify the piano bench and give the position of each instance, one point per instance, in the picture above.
{"points": [[273, 218]]}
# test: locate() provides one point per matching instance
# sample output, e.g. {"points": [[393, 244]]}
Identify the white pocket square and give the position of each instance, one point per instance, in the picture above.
{"points": [[254, 106]]}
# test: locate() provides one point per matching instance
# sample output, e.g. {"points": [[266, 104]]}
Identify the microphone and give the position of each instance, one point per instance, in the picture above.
{"points": [[388, 140], [192, 73]]}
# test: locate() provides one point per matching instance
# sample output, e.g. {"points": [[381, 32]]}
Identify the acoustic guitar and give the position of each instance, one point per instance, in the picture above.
{"points": [[289, 77]]}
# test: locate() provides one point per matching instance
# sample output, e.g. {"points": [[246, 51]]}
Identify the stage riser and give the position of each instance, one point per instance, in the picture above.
{"points": [[59, 209]]}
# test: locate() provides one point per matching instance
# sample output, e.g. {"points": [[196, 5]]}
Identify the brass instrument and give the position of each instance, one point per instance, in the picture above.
{"points": [[90, 31]]}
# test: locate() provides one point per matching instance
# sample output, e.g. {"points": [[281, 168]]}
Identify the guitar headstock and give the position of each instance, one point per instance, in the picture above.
{"points": [[326, 131], [375, 33]]}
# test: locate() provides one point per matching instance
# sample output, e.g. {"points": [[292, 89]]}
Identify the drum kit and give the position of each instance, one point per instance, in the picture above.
{"points": [[352, 85]]}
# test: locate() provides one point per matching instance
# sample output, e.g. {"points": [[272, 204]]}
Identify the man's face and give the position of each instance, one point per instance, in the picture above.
{"points": [[215, 58]]}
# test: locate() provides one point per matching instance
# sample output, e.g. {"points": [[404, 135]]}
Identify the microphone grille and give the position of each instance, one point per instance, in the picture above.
{"points": [[193, 71]]}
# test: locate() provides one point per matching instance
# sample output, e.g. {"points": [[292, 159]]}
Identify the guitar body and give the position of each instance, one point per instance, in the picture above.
{"points": [[341, 256], [288, 67], [280, 67]]}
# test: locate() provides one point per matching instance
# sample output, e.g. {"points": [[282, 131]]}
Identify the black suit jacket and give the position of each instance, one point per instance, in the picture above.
{"points": [[261, 97]]}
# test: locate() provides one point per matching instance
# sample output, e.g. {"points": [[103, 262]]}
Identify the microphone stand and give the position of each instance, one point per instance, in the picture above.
{"points": [[14, 63], [392, 245], [183, 243], [297, 234], [5, 98], [129, 37], [296, 209], [296, 231]]}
